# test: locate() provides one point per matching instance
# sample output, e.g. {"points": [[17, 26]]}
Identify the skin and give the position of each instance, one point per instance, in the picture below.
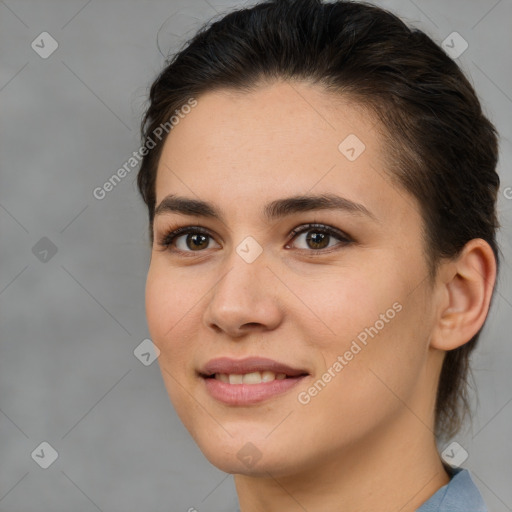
{"points": [[365, 442]]}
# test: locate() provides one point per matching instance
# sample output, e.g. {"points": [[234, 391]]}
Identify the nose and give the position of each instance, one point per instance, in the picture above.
{"points": [[245, 298]]}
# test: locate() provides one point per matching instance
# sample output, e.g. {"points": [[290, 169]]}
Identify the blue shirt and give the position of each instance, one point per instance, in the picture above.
{"points": [[460, 494]]}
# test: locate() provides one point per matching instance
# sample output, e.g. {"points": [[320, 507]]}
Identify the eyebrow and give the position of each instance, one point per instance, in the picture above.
{"points": [[273, 210]]}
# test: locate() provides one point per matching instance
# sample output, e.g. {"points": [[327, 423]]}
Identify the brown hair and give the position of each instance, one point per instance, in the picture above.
{"points": [[440, 146]]}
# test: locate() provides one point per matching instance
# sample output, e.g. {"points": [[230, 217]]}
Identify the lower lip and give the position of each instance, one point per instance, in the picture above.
{"points": [[247, 394]]}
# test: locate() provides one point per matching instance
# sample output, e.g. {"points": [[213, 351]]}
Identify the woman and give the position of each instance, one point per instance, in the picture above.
{"points": [[321, 188]]}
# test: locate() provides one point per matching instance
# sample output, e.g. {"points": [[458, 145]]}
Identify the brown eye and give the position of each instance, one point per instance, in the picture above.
{"points": [[319, 237], [196, 241], [186, 239], [317, 240]]}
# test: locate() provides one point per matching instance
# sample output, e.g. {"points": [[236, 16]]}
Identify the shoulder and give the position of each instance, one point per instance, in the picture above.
{"points": [[459, 495]]}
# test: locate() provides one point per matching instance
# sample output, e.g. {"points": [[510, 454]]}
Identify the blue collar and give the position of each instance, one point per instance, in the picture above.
{"points": [[459, 495]]}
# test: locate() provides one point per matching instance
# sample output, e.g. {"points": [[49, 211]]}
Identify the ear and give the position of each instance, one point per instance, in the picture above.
{"points": [[465, 288]]}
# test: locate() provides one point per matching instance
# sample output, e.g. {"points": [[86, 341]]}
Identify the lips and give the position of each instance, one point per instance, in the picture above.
{"points": [[227, 366], [250, 381]]}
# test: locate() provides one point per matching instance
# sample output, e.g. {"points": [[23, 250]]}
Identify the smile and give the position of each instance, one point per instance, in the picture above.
{"points": [[249, 378], [248, 381]]}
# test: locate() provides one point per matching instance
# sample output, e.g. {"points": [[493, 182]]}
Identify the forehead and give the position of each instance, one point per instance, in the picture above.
{"points": [[281, 140]]}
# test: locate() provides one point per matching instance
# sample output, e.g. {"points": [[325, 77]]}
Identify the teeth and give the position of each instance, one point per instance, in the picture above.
{"points": [[250, 378], [267, 376], [223, 377], [235, 379]]}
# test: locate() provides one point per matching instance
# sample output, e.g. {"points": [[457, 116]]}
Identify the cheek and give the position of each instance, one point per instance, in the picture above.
{"points": [[159, 305], [168, 314], [375, 325], [382, 364], [173, 302], [166, 306], [346, 303]]}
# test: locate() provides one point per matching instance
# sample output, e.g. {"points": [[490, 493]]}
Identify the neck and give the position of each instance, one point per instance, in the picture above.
{"points": [[396, 468]]}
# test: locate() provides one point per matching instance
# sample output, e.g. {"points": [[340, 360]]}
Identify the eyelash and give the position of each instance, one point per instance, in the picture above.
{"points": [[167, 239]]}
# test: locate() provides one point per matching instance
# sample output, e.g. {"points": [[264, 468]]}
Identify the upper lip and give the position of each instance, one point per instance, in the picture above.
{"points": [[227, 365]]}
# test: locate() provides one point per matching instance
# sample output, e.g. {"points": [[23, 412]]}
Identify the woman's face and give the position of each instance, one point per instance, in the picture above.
{"points": [[345, 305]]}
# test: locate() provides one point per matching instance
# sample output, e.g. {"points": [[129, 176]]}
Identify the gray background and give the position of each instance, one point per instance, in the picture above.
{"points": [[69, 325]]}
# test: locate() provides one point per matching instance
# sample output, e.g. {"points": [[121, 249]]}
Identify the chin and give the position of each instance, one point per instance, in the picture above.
{"points": [[248, 464], [251, 455]]}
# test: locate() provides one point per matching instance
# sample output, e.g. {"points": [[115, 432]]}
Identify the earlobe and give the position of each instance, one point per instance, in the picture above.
{"points": [[467, 285]]}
